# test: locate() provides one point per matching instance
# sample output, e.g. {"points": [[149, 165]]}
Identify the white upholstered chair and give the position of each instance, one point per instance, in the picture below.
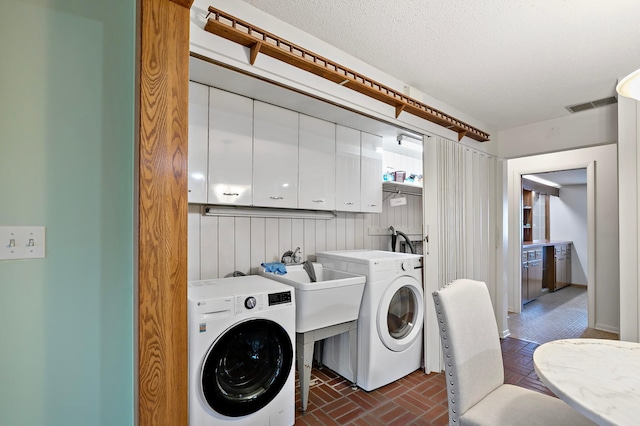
{"points": [[474, 371]]}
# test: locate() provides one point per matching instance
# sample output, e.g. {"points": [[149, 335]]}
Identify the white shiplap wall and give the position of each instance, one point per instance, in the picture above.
{"points": [[220, 245]]}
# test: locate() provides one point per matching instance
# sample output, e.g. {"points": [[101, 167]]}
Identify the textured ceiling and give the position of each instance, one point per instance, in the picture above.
{"points": [[505, 62]]}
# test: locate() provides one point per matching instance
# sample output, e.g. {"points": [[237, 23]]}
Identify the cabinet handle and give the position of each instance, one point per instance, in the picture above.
{"points": [[276, 198], [318, 201], [348, 204], [235, 194], [372, 205]]}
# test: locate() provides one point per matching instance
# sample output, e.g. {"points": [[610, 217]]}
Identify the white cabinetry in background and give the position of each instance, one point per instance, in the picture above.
{"points": [[370, 173], [275, 156], [249, 153], [348, 169], [230, 148], [198, 142], [316, 165]]}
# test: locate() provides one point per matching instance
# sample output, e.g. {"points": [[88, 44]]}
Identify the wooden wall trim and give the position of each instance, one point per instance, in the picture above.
{"points": [[260, 41], [162, 386]]}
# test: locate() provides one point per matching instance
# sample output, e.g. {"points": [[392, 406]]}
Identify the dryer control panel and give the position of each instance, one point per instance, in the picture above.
{"points": [[407, 265]]}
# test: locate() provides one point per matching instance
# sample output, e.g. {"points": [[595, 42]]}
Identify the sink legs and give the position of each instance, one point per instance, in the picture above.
{"points": [[304, 353]]}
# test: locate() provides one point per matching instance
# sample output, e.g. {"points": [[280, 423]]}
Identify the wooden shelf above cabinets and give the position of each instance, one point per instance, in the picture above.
{"points": [[527, 215], [260, 41]]}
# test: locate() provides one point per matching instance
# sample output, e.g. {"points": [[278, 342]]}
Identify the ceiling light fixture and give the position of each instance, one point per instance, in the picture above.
{"points": [[541, 180], [629, 86], [413, 144]]}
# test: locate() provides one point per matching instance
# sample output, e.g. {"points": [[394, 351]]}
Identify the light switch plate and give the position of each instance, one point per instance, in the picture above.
{"points": [[22, 242]]}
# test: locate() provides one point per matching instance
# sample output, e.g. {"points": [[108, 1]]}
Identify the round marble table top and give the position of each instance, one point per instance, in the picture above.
{"points": [[599, 378]]}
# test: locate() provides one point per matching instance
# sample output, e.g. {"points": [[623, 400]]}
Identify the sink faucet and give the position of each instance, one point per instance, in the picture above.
{"points": [[296, 257], [291, 257]]}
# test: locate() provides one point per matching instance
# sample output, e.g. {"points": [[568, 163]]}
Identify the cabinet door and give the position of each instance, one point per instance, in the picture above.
{"points": [[561, 267], [230, 148], [275, 156], [525, 282], [347, 169], [370, 173], [567, 263], [316, 165], [535, 279], [198, 142]]}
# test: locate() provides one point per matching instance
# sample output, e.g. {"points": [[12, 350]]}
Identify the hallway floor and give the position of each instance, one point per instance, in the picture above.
{"points": [[561, 314], [417, 399]]}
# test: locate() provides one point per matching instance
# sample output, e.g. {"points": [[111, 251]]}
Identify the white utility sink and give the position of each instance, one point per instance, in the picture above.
{"points": [[333, 299]]}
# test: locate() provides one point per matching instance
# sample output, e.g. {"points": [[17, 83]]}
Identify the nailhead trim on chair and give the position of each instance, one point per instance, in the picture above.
{"points": [[449, 370]]}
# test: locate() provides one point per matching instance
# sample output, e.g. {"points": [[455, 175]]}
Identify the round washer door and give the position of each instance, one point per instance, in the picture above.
{"points": [[246, 367], [401, 313]]}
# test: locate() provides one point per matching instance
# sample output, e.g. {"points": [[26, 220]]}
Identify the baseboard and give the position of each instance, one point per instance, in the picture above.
{"points": [[607, 328], [578, 285]]}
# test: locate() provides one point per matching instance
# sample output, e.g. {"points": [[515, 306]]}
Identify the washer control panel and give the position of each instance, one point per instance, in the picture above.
{"points": [[260, 301], [250, 302]]}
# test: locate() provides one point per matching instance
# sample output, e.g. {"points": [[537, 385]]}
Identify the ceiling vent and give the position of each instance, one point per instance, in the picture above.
{"points": [[591, 105]]}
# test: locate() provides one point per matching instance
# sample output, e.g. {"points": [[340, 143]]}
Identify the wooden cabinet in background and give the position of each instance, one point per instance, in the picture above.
{"points": [[536, 211], [527, 215]]}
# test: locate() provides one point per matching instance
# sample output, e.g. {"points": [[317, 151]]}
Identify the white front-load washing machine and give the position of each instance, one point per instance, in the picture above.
{"points": [[390, 320], [241, 352]]}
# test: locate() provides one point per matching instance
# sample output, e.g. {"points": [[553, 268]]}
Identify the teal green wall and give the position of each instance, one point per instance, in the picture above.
{"points": [[67, 90]]}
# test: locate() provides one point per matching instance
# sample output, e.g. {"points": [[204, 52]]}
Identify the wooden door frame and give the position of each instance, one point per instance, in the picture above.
{"points": [[161, 377]]}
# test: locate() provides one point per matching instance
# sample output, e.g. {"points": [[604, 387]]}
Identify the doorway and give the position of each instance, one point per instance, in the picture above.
{"points": [[554, 257]]}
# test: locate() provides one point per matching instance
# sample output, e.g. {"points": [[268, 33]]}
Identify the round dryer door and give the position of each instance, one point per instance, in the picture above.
{"points": [[401, 313], [246, 367]]}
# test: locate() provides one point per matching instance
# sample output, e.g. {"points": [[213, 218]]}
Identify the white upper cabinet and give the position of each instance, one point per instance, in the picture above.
{"points": [[316, 165], [249, 153], [275, 156], [370, 173], [198, 142], [347, 169], [230, 148]]}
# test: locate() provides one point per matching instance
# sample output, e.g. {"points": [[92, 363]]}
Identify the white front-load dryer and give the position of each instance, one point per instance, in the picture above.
{"points": [[390, 321], [241, 352]]}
